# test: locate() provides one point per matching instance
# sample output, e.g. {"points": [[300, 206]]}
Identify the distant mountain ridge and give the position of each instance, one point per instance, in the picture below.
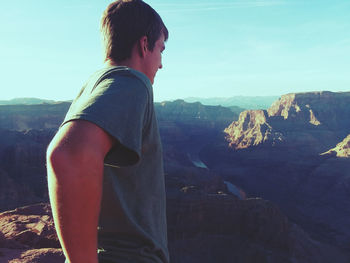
{"points": [[26, 101], [22, 117], [236, 104], [181, 110], [244, 102]]}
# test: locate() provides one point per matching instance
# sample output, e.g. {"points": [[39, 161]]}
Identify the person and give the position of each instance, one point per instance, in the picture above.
{"points": [[104, 165]]}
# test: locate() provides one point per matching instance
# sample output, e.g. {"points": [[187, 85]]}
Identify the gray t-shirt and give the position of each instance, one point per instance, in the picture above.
{"points": [[132, 225]]}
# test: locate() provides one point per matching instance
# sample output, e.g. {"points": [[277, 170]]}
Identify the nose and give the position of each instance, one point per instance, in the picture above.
{"points": [[160, 66]]}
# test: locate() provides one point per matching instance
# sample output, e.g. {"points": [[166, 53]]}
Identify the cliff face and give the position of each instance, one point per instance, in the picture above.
{"points": [[252, 129], [328, 109], [311, 121]]}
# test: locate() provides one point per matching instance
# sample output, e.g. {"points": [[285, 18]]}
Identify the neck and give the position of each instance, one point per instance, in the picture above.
{"points": [[127, 63]]}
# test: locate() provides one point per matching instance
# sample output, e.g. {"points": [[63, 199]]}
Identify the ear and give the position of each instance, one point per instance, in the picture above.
{"points": [[143, 46]]}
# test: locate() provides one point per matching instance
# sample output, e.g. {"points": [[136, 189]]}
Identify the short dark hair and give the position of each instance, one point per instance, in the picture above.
{"points": [[124, 22]]}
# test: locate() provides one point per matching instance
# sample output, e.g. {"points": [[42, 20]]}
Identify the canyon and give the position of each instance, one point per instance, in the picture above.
{"points": [[266, 185]]}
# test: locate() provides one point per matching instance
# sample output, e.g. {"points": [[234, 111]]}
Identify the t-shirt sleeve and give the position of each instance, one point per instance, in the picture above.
{"points": [[118, 106]]}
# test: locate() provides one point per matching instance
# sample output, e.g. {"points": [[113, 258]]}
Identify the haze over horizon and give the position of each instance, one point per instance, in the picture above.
{"points": [[215, 49]]}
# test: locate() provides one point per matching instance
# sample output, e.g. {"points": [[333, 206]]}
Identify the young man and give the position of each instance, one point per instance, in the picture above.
{"points": [[105, 170]]}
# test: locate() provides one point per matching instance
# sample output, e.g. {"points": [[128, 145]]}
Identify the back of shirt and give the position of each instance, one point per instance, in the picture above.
{"points": [[132, 225]]}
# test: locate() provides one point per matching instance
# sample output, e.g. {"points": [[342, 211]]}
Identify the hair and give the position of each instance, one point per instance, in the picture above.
{"points": [[124, 22]]}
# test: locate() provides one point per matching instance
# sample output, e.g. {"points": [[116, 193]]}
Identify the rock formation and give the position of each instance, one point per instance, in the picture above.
{"points": [[318, 108], [252, 129], [27, 235], [312, 122]]}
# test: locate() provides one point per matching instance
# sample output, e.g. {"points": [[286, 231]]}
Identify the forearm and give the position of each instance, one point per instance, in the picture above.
{"points": [[75, 195]]}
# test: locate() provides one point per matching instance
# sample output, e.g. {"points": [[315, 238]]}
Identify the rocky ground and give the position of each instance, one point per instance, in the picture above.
{"points": [[202, 228], [27, 235]]}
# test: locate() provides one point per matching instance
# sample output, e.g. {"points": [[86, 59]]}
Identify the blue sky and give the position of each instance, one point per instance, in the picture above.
{"points": [[215, 49]]}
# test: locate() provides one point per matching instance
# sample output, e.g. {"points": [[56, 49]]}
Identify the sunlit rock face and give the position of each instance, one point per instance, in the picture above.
{"points": [[314, 121], [342, 149], [252, 129]]}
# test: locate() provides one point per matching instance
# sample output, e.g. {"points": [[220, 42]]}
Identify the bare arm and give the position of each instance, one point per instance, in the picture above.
{"points": [[75, 172]]}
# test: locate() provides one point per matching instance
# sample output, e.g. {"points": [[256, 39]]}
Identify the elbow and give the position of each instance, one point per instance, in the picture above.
{"points": [[49, 155], [60, 166], [52, 155], [56, 160]]}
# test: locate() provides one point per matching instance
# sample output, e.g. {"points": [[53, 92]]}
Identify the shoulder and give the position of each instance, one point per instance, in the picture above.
{"points": [[121, 81]]}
